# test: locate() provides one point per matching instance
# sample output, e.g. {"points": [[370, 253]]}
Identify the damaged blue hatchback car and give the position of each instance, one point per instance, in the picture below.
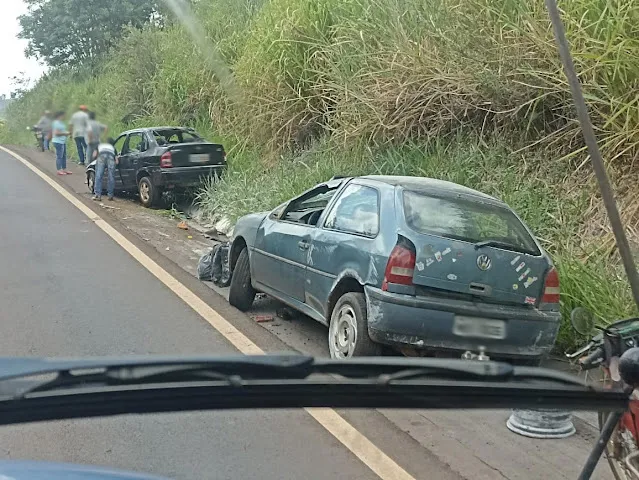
{"points": [[425, 266]]}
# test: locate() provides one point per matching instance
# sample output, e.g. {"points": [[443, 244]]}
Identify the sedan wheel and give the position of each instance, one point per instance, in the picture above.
{"points": [[145, 192], [91, 181], [348, 330], [149, 194]]}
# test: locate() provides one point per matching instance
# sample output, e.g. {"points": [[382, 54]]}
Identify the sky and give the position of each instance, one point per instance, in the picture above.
{"points": [[12, 59]]}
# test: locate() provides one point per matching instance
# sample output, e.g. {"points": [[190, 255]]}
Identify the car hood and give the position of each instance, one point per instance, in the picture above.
{"points": [[25, 470], [252, 218], [246, 227], [250, 221]]}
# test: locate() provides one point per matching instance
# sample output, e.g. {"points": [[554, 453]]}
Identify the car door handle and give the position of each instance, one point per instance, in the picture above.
{"points": [[303, 244]]}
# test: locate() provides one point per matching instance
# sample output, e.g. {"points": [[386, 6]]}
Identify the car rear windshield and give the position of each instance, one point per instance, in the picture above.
{"points": [[466, 220], [166, 136]]}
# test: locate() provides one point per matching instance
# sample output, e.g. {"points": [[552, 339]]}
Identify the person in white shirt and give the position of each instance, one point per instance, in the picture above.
{"points": [[79, 123], [106, 159]]}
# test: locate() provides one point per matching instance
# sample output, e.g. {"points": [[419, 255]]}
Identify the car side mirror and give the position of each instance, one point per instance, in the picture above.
{"points": [[582, 320], [278, 211]]}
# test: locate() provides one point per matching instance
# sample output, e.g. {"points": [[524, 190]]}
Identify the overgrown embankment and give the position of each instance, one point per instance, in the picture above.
{"points": [[471, 91]]}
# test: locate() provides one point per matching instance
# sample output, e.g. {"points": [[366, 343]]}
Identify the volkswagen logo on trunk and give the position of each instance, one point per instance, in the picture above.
{"points": [[484, 262]]}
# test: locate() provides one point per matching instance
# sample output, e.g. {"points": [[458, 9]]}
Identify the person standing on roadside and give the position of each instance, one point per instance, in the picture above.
{"points": [[106, 157], [59, 140], [45, 125], [95, 130], [79, 124]]}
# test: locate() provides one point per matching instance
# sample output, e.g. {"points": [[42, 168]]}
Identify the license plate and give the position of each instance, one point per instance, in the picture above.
{"points": [[199, 157], [479, 327]]}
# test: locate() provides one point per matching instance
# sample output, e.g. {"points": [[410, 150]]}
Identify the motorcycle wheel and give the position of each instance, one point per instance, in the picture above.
{"points": [[615, 449]]}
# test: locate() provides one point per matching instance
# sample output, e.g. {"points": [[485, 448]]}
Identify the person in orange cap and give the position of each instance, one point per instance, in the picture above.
{"points": [[79, 124]]}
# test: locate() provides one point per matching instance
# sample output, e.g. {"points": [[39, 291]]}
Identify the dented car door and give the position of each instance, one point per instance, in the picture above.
{"points": [[346, 244]]}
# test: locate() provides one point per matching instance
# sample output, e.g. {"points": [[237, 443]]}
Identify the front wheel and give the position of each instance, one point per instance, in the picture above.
{"points": [[91, 181], [617, 449], [149, 194], [242, 293], [348, 329]]}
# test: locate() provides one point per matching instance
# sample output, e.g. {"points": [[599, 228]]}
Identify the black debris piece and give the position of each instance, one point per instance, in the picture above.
{"points": [[214, 265]]}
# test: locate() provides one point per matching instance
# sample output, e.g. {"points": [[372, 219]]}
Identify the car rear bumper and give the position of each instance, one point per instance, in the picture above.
{"points": [[426, 323], [185, 176]]}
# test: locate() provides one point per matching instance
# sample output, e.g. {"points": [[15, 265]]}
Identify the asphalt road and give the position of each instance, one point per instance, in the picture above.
{"points": [[69, 290]]}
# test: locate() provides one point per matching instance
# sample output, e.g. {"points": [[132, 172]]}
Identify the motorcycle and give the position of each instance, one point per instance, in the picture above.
{"points": [[39, 135], [606, 351]]}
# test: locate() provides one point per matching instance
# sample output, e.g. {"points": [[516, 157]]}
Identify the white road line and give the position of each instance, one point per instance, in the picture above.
{"points": [[374, 458]]}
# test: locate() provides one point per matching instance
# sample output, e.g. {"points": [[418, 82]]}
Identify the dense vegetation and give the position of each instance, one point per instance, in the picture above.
{"points": [[466, 90]]}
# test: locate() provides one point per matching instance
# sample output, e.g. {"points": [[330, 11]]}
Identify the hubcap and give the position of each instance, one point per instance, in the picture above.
{"points": [[144, 191], [617, 449], [343, 333]]}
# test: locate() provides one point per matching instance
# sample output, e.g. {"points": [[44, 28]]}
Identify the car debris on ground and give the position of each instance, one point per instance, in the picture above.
{"points": [[285, 313], [108, 206], [214, 266]]}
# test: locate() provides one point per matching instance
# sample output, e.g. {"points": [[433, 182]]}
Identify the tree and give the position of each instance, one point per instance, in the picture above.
{"points": [[71, 32], [20, 85]]}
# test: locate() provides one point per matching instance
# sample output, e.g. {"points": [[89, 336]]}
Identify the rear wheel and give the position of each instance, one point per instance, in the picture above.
{"points": [[91, 181], [617, 449], [348, 330], [242, 293], [150, 195]]}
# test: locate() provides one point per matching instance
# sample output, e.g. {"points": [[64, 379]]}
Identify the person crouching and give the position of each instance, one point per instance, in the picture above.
{"points": [[106, 159]]}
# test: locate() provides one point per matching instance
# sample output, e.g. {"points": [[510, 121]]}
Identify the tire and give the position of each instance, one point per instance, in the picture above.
{"points": [[150, 195], [242, 293], [348, 329], [619, 470], [91, 181]]}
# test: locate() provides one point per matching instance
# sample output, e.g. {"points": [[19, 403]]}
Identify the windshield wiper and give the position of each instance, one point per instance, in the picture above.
{"points": [[101, 387], [504, 245]]}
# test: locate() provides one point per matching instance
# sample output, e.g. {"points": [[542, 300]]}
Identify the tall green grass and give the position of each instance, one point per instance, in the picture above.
{"points": [[470, 91]]}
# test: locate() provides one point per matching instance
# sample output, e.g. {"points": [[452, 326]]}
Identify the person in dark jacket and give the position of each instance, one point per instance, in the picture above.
{"points": [[45, 124], [95, 130]]}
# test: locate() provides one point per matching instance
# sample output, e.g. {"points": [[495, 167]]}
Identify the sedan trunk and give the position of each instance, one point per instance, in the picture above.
{"points": [[196, 154]]}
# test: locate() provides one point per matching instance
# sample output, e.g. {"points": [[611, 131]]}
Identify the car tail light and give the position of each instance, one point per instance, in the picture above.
{"points": [[166, 160], [551, 287], [400, 266]]}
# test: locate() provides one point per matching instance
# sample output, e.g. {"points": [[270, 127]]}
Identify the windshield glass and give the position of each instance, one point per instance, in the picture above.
{"points": [[465, 220], [157, 239]]}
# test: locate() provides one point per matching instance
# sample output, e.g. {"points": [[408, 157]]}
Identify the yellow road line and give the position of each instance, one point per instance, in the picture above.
{"points": [[374, 458]]}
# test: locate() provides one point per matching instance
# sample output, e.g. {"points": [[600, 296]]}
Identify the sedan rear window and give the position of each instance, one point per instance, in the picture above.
{"points": [[468, 221], [173, 135]]}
